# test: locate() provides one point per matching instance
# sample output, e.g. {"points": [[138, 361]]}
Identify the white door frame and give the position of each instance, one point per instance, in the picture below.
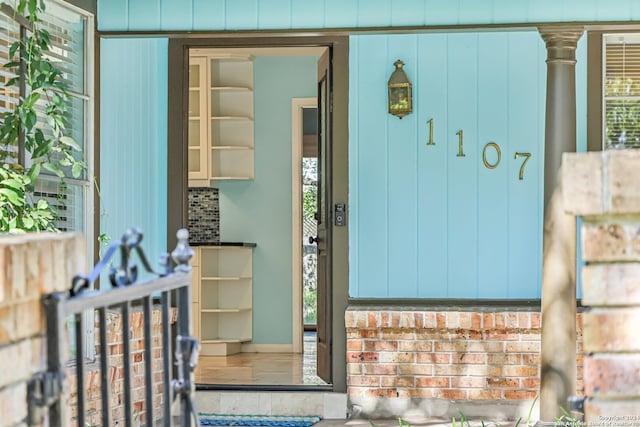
{"points": [[297, 105]]}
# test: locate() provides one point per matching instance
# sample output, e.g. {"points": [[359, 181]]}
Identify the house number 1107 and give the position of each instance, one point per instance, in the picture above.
{"points": [[488, 146]]}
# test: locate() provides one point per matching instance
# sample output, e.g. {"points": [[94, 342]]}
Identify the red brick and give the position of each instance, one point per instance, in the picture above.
{"points": [[381, 392], [477, 370], [420, 346], [454, 394], [487, 321], [355, 345], [469, 346], [610, 413], [453, 320], [394, 381], [535, 320], [432, 382], [433, 358], [418, 320], [414, 369], [476, 321], [504, 359], [520, 371], [523, 347], [465, 320], [500, 382], [475, 394], [531, 383], [430, 320], [612, 375], [520, 394], [372, 320], [407, 320], [364, 381], [511, 320], [468, 382], [612, 241], [470, 358], [524, 320], [603, 331], [501, 336], [499, 319], [379, 369], [362, 356], [392, 357], [380, 345], [531, 359], [441, 320]]}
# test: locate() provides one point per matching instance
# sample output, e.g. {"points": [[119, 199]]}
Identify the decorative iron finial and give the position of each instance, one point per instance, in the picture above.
{"points": [[183, 253]]}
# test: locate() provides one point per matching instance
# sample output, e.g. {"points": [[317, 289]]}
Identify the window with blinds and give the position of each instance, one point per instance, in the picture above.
{"points": [[68, 28], [622, 91]]}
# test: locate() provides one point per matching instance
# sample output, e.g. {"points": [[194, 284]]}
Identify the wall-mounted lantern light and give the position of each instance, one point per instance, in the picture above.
{"points": [[400, 103]]}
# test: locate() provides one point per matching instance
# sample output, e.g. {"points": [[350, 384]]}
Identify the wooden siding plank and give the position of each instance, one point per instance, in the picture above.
{"points": [[402, 148], [374, 13], [462, 171], [437, 13], [372, 184], [208, 14], [305, 14], [113, 15], [525, 196], [471, 11], [505, 11], [242, 14], [144, 15], [133, 156], [493, 117], [341, 13], [273, 14], [407, 12], [431, 100], [176, 15]]}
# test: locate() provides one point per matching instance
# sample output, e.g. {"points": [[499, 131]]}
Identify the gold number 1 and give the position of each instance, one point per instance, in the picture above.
{"points": [[460, 149], [430, 123]]}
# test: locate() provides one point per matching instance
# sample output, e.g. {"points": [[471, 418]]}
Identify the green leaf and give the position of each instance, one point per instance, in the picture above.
{"points": [[70, 142], [34, 172], [54, 168], [42, 149], [76, 169], [12, 196], [30, 120], [13, 49], [31, 100], [28, 222], [42, 204]]}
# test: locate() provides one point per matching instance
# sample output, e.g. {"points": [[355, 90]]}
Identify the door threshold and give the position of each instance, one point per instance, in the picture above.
{"points": [[265, 387]]}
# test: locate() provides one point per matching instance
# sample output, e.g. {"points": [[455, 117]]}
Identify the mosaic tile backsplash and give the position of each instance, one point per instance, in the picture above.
{"points": [[204, 215]]}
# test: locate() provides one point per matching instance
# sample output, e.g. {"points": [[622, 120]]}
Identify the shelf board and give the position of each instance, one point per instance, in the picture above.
{"points": [[225, 279], [232, 88], [224, 340], [231, 147], [245, 118], [223, 310], [227, 178]]}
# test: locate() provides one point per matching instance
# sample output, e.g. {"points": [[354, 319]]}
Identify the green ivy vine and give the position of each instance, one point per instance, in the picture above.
{"points": [[39, 122]]}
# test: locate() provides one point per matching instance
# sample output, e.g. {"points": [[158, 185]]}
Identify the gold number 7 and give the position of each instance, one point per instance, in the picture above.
{"points": [[527, 157]]}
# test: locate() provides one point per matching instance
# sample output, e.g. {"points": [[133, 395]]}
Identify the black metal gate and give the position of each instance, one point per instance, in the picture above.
{"points": [[171, 290]]}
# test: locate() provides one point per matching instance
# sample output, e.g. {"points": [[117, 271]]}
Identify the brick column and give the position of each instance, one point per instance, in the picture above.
{"points": [[603, 188]]}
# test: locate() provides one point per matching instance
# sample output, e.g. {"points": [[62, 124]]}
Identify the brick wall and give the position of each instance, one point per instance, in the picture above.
{"points": [[34, 265], [116, 374], [425, 360], [30, 266], [604, 190]]}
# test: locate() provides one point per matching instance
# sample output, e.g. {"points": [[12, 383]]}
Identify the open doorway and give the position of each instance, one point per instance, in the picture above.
{"points": [[238, 152]]}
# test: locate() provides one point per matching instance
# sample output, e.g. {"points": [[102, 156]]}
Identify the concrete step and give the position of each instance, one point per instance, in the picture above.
{"points": [[327, 405]]}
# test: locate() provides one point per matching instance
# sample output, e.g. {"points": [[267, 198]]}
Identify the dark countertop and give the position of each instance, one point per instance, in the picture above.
{"points": [[245, 244]]}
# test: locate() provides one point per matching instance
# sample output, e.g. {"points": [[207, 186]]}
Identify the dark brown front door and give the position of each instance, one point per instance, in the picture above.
{"points": [[323, 217]]}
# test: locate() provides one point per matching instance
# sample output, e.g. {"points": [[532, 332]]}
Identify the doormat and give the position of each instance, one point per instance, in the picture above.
{"points": [[256, 420]]}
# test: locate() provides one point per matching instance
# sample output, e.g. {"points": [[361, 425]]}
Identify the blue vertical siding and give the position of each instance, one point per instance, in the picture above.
{"points": [[122, 15], [133, 140], [429, 223]]}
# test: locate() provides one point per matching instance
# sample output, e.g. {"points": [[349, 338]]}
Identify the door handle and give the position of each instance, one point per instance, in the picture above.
{"points": [[313, 240]]}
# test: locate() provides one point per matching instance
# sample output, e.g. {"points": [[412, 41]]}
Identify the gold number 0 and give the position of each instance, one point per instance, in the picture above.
{"points": [[484, 155], [527, 157]]}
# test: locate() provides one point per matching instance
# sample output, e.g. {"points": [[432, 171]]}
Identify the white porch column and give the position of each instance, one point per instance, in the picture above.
{"points": [[558, 346]]}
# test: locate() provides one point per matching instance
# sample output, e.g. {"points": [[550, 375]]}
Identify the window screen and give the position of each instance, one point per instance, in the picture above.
{"points": [[622, 91]]}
